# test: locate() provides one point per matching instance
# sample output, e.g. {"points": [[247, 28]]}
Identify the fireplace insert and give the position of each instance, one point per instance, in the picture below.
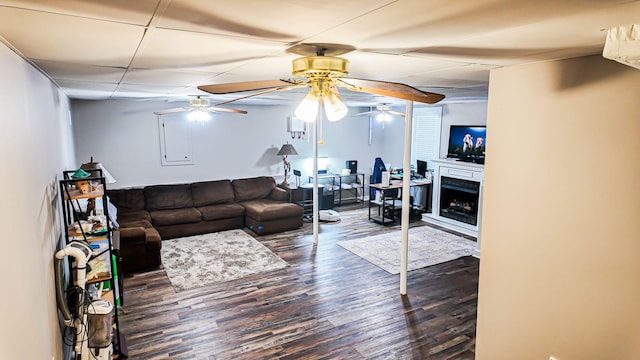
{"points": [[459, 199]]}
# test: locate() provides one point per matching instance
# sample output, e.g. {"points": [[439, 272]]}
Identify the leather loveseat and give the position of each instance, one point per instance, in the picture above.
{"points": [[159, 212]]}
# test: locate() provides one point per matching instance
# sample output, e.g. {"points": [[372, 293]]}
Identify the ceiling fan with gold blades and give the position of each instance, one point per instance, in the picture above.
{"points": [[323, 72], [199, 110]]}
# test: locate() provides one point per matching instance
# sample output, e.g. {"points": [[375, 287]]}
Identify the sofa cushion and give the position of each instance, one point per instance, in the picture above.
{"points": [[265, 209], [133, 215], [127, 199], [212, 192], [164, 197], [253, 188], [175, 216], [221, 211]]}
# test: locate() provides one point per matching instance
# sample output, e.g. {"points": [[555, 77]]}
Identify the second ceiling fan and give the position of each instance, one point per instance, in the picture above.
{"points": [[199, 110], [382, 113], [323, 72]]}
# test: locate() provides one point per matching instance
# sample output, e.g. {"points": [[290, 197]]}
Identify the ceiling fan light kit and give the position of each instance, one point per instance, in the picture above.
{"points": [[321, 72], [320, 67], [198, 102], [383, 116], [199, 115]]}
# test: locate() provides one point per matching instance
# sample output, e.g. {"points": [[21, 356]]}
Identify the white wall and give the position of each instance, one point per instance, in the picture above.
{"points": [[123, 135], [36, 144], [466, 113], [391, 139], [559, 273]]}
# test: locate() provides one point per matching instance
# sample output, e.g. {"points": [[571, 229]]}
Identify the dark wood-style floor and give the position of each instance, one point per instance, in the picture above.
{"points": [[329, 304]]}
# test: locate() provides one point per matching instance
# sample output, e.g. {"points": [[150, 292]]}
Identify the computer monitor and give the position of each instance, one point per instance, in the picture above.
{"points": [[421, 168]]}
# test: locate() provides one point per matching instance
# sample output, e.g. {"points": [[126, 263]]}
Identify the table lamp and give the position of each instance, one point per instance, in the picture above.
{"points": [[286, 149], [93, 166]]}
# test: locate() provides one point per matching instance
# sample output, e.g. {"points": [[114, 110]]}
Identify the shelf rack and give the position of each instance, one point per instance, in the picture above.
{"points": [[351, 185], [84, 220]]}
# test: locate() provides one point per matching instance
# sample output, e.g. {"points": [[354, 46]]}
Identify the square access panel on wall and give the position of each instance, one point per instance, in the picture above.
{"points": [[175, 142]]}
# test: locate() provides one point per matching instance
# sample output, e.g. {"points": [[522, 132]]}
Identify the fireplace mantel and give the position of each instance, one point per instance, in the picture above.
{"points": [[457, 170]]}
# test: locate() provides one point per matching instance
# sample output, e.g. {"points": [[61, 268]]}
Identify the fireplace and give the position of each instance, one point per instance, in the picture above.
{"points": [[457, 196], [459, 199]]}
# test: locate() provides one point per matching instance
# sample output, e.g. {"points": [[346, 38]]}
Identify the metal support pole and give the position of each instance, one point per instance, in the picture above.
{"points": [[406, 196], [316, 198]]}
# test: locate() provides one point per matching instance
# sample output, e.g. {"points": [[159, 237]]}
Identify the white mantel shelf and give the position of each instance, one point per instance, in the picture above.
{"points": [[459, 170], [458, 164]]}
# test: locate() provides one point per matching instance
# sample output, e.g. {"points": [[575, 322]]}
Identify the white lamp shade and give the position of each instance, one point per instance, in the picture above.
{"points": [[383, 116], [199, 115], [108, 178], [308, 108], [334, 107]]}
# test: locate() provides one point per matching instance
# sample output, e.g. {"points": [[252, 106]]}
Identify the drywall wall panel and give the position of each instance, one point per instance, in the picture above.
{"points": [[559, 270]]}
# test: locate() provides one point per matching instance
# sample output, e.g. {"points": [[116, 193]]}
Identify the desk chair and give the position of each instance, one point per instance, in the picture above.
{"points": [[297, 174]]}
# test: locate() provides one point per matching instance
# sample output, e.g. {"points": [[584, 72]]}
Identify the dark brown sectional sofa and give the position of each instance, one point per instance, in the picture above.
{"points": [[159, 212]]}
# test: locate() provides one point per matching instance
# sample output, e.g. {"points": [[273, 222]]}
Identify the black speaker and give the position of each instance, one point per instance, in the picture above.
{"points": [[352, 165]]}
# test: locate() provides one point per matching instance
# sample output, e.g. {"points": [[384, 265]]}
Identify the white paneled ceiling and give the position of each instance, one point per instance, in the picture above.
{"points": [[104, 49]]}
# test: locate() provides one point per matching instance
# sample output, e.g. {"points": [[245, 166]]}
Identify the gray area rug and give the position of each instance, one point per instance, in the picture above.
{"points": [[201, 260], [427, 246]]}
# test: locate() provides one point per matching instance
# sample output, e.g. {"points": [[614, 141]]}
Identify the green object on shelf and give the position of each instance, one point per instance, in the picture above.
{"points": [[80, 174], [106, 285], [114, 269]]}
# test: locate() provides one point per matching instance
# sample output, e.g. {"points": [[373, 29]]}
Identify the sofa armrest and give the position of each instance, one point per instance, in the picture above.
{"points": [[132, 236], [279, 194], [154, 241]]}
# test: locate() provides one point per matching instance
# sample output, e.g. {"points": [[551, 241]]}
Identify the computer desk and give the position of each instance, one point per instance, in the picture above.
{"points": [[389, 208]]}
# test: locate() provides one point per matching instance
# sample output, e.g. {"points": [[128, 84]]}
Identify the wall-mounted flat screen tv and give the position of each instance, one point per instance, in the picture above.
{"points": [[467, 143]]}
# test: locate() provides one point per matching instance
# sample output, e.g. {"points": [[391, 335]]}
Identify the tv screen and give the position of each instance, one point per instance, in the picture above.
{"points": [[467, 143]]}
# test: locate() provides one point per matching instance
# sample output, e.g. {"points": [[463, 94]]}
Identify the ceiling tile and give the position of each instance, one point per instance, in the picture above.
{"points": [[149, 91], [173, 49], [164, 77], [69, 71], [388, 67], [87, 90], [279, 20], [61, 38], [126, 11]]}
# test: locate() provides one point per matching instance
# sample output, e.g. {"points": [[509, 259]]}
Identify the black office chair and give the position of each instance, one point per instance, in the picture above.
{"points": [[297, 174]]}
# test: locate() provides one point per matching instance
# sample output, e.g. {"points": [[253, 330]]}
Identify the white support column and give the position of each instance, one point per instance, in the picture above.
{"points": [[406, 196], [316, 199]]}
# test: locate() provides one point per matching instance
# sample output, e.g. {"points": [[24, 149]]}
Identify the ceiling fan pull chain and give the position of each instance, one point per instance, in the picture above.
{"points": [[320, 117]]}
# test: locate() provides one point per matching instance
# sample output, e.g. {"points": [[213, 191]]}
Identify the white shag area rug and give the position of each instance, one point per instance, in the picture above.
{"points": [[201, 260], [427, 246]]}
